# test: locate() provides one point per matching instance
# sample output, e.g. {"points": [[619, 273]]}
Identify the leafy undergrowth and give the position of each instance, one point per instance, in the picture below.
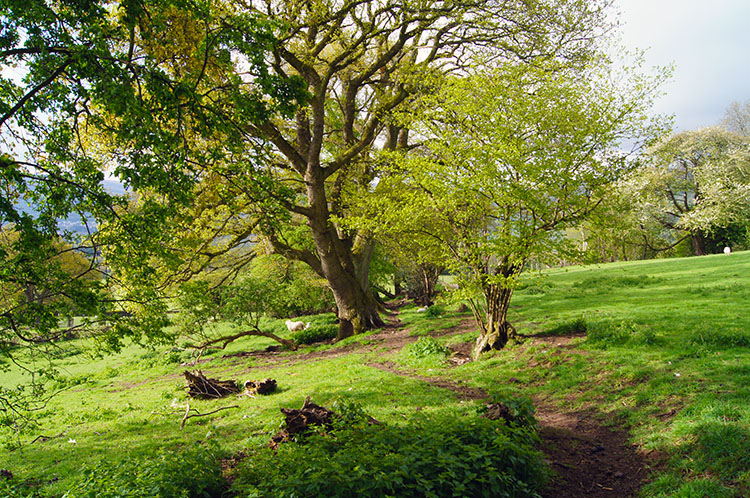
{"points": [[457, 454], [658, 347]]}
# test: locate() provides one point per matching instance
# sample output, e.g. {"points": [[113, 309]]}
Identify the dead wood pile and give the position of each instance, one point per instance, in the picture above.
{"points": [[201, 387], [300, 421], [497, 411], [253, 387]]}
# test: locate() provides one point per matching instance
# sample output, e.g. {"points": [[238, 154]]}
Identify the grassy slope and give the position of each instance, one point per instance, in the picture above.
{"points": [[667, 354], [647, 322]]}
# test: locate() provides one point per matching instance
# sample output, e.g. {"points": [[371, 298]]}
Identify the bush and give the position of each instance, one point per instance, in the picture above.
{"points": [[426, 346], [191, 473], [430, 456], [315, 334], [435, 311]]}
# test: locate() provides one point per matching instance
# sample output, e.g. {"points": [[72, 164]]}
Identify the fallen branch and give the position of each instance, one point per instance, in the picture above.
{"points": [[196, 414], [44, 438]]}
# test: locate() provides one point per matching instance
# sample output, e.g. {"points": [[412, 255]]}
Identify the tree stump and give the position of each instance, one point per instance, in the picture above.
{"points": [[266, 386], [300, 421], [499, 411], [201, 387]]}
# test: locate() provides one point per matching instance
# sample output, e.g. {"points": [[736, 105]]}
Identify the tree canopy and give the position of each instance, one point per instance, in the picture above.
{"points": [[131, 90], [232, 124], [510, 157]]}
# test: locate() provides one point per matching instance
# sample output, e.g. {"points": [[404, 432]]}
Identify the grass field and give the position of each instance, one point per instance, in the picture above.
{"points": [[660, 348]]}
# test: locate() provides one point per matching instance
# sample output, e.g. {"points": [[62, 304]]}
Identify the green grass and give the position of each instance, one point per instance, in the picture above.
{"points": [[666, 355], [661, 349]]}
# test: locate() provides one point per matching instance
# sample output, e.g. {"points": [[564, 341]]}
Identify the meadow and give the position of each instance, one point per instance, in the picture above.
{"points": [[656, 348]]}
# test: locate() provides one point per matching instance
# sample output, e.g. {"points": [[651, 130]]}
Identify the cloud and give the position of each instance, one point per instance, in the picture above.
{"points": [[707, 41]]}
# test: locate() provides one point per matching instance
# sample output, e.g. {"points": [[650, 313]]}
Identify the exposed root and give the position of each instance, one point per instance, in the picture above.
{"points": [[203, 388]]}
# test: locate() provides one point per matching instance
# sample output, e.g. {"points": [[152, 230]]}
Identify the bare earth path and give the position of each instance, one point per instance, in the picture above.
{"points": [[588, 459]]}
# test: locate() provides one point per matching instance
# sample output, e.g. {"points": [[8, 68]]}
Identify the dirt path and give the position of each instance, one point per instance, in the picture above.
{"points": [[588, 459]]}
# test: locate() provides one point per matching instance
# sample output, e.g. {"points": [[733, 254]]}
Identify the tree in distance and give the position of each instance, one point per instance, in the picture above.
{"points": [[737, 118], [691, 185]]}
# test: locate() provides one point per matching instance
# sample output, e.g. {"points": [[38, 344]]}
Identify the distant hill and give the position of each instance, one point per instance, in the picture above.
{"points": [[74, 223]]}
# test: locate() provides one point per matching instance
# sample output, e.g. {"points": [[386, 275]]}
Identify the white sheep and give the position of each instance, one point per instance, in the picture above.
{"points": [[422, 310], [727, 250], [295, 326]]}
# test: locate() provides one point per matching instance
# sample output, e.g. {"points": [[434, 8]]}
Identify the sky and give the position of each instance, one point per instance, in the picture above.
{"points": [[709, 43]]}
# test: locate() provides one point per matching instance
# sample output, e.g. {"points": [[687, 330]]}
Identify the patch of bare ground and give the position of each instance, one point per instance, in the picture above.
{"points": [[392, 337], [587, 458], [558, 341]]}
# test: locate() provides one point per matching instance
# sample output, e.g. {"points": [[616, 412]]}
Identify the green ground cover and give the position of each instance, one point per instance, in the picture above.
{"points": [[660, 348]]}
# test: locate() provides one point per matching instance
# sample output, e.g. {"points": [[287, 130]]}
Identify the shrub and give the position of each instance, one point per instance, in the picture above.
{"points": [[426, 346], [430, 456], [191, 473], [315, 334], [435, 311]]}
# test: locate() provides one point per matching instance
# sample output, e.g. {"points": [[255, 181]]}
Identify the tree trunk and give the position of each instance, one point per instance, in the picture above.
{"points": [[699, 244], [494, 328], [357, 307]]}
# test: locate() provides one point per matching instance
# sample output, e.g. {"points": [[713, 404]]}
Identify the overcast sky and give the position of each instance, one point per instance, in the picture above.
{"points": [[709, 43]]}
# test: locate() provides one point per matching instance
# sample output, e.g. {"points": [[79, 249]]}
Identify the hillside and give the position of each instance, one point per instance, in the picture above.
{"points": [[639, 373]]}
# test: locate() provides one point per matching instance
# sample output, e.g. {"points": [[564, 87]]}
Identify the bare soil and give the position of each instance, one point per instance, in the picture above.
{"points": [[587, 458]]}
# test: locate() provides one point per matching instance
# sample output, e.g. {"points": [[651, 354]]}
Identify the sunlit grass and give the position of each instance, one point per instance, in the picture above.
{"points": [[659, 348]]}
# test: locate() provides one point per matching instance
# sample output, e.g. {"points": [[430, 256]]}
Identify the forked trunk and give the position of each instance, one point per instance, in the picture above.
{"points": [[356, 305], [494, 327]]}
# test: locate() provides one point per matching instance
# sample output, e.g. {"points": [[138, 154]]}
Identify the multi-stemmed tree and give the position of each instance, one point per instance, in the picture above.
{"points": [[511, 157]]}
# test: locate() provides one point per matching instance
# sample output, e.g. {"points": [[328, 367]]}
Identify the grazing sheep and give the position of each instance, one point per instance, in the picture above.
{"points": [[422, 310], [296, 326], [727, 250]]}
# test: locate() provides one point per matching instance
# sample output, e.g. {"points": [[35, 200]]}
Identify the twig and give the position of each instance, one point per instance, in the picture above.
{"points": [[188, 415], [44, 438]]}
